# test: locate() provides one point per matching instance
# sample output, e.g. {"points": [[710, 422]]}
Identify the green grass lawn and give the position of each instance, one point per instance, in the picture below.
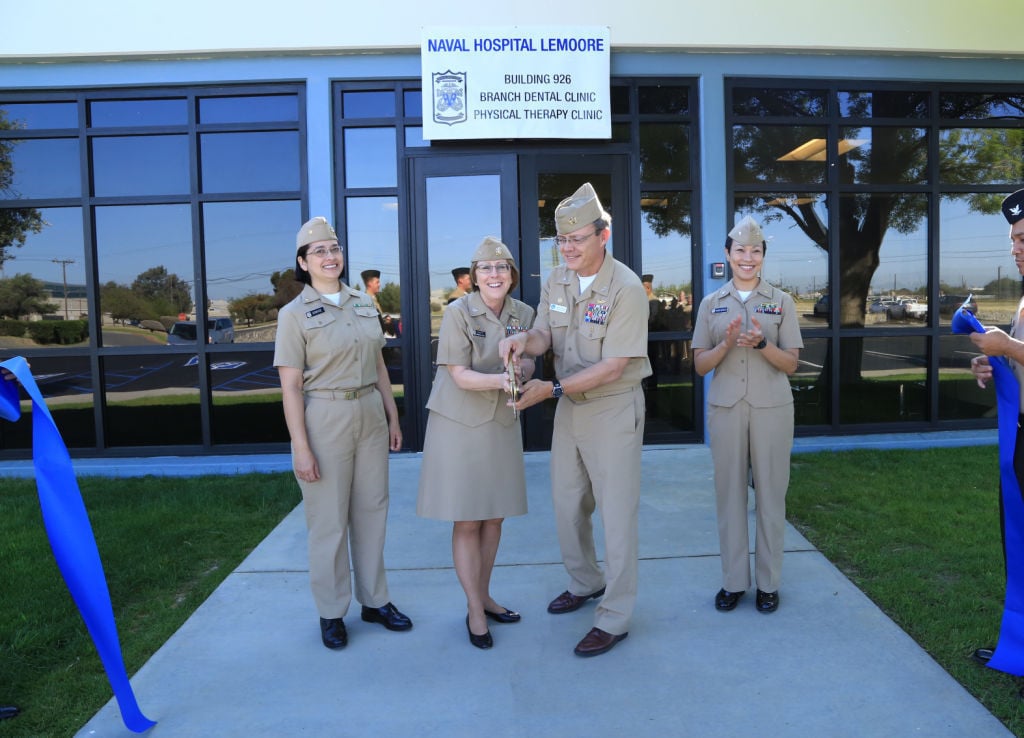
{"points": [[166, 544], [918, 532]]}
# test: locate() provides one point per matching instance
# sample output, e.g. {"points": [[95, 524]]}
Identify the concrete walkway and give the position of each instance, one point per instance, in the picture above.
{"points": [[249, 662]]}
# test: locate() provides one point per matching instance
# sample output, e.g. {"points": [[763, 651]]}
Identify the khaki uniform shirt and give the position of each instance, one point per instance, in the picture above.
{"points": [[469, 337], [455, 295], [744, 373], [609, 320], [335, 346]]}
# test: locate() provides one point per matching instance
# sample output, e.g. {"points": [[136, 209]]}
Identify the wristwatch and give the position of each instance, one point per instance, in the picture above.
{"points": [[556, 389], [764, 342]]}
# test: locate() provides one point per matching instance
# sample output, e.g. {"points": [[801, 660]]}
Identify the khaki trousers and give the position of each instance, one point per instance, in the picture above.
{"points": [[348, 506], [595, 462], [751, 441]]}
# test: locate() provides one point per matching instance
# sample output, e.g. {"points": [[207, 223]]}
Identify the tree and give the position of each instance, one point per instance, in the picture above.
{"points": [[252, 307], [15, 223], [390, 298], [167, 293], [23, 295], [123, 304], [286, 287]]}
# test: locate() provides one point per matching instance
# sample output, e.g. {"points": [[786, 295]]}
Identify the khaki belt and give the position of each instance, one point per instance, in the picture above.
{"points": [[578, 397], [341, 394]]}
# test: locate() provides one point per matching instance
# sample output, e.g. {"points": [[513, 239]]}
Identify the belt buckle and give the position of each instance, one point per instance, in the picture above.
{"points": [[351, 395]]}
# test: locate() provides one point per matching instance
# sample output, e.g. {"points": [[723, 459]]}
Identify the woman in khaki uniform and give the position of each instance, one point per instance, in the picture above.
{"points": [[747, 332], [342, 419], [472, 471]]}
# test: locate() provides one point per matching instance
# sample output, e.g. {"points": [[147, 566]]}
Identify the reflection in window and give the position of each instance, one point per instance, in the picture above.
{"points": [[980, 105], [144, 259], [140, 165], [151, 400], [669, 390], [250, 162], [43, 281], [883, 257], [373, 244], [883, 379], [778, 154], [812, 384], [246, 399], [960, 397], [66, 384], [664, 152], [975, 258], [249, 257], [666, 237], [883, 155], [249, 109], [779, 102], [977, 156], [41, 168], [796, 227], [883, 104], [664, 99], [36, 116], [370, 157], [129, 113], [369, 104]]}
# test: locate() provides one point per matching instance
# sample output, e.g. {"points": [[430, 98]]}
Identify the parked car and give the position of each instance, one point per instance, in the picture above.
{"points": [[914, 309], [218, 330], [821, 307], [892, 309], [949, 304]]}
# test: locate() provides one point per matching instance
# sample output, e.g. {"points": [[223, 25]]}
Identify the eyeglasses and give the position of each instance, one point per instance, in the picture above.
{"points": [[502, 268], [574, 240], [323, 253]]}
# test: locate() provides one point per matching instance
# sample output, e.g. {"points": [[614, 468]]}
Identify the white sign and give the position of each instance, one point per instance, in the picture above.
{"points": [[537, 82]]}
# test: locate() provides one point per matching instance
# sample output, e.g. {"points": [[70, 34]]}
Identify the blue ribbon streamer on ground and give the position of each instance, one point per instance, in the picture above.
{"points": [[71, 536], [1009, 655]]}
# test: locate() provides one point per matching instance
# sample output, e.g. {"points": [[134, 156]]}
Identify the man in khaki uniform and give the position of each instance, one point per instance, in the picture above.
{"points": [[593, 314]]}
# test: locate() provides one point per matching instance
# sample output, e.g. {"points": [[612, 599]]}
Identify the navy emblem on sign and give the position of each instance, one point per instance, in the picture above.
{"points": [[312, 313], [449, 97]]}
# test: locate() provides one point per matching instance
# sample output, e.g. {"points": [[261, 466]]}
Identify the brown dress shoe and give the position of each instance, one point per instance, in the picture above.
{"points": [[568, 602], [597, 642]]}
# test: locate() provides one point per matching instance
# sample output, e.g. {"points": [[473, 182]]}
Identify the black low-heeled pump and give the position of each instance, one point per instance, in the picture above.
{"points": [[509, 616], [481, 641]]}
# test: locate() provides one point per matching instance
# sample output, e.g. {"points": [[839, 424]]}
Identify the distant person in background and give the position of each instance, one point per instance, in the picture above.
{"points": [[342, 420], [472, 428], [463, 284], [371, 286], [654, 323], [747, 333]]}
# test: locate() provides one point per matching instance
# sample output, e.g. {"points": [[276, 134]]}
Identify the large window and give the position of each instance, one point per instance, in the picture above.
{"points": [[146, 242], [881, 203]]}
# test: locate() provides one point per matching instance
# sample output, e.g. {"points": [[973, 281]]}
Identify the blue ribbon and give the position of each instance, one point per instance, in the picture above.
{"points": [[71, 537], [1009, 655]]}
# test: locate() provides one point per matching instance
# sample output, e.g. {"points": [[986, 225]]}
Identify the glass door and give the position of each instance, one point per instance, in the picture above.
{"points": [[456, 202]]}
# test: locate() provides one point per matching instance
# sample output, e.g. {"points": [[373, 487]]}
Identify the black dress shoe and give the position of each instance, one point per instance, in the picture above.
{"points": [[983, 655], [388, 616], [8, 711], [596, 642], [767, 601], [726, 600], [503, 617], [485, 641], [568, 602], [333, 633]]}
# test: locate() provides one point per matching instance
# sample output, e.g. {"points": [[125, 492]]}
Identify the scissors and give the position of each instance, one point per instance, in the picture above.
{"points": [[513, 385]]}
